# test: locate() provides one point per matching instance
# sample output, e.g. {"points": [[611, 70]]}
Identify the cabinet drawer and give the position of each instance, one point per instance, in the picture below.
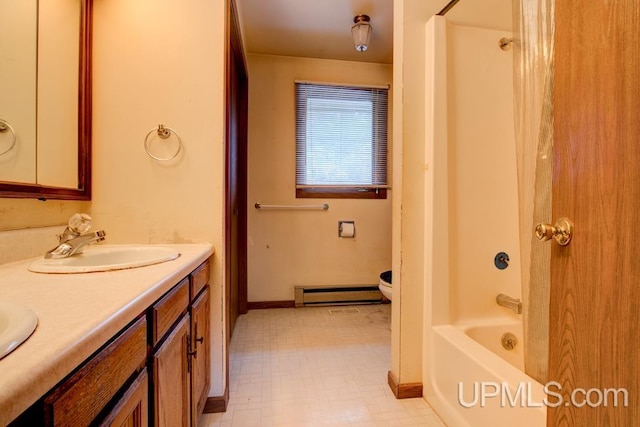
{"points": [[168, 309], [199, 279], [79, 399]]}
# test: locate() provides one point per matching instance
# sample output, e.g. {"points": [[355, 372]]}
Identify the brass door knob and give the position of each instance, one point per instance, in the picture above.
{"points": [[561, 231]]}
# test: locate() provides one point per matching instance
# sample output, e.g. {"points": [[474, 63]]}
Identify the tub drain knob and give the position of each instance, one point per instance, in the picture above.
{"points": [[509, 341]]}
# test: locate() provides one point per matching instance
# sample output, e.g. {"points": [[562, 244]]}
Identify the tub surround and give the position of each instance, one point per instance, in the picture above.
{"points": [[77, 313], [472, 169]]}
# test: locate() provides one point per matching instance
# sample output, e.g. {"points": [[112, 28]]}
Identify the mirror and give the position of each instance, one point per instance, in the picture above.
{"points": [[45, 99]]}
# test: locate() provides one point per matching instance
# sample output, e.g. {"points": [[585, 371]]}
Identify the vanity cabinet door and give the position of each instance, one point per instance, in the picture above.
{"points": [[132, 410], [200, 352], [171, 382]]}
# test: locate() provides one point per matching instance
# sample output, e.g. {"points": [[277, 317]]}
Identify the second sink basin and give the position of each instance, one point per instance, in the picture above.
{"points": [[17, 323], [106, 258]]}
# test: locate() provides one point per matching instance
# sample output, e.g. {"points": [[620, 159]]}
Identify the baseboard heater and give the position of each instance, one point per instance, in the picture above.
{"points": [[337, 295]]}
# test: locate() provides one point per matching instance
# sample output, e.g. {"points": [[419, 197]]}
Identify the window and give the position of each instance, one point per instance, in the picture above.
{"points": [[341, 141]]}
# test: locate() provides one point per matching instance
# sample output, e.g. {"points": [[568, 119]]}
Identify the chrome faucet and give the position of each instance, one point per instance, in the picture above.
{"points": [[513, 304], [75, 237]]}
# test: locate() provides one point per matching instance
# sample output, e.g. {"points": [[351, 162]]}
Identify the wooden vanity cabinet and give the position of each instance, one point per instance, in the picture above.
{"points": [[180, 361], [156, 371]]}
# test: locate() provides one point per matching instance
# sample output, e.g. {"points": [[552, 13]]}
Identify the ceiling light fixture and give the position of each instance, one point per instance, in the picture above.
{"points": [[361, 32]]}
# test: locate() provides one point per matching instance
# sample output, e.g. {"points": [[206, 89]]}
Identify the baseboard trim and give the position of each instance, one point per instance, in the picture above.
{"points": [[217, 403], [403, 391], [256, 305]]}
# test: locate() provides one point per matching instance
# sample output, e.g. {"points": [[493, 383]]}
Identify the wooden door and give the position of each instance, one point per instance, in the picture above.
{"points": [[236, 175], [201, 350], [595, 280], [171, 382]]}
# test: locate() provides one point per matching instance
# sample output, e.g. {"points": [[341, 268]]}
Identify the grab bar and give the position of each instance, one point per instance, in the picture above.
{"points": [[322, 207]]}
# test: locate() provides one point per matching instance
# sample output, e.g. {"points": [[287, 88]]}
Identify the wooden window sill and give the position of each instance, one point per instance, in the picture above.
{"points": [[341, 193]]}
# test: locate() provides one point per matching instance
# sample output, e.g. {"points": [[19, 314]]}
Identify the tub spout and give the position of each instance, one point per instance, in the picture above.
{"points": [[513, 304]]}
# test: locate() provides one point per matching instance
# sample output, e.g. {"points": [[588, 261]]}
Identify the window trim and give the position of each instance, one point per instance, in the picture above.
{"points": [[351, 192], [356, 191]]}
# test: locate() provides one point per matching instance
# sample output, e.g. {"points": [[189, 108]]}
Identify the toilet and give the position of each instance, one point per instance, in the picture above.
{"points": [[385, 284]]}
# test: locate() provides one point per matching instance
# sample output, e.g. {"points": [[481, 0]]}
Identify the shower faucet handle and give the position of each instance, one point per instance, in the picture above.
{"points": [[561, 231]]}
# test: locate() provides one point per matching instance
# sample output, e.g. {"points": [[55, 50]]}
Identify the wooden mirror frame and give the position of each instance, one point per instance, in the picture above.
{"points": [[83, 191]]}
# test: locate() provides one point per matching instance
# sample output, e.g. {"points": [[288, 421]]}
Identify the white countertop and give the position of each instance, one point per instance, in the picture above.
{"points": [[77, 313]]}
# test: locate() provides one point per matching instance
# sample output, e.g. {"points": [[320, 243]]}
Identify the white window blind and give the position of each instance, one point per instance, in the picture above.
{"points": [[341, 136]]}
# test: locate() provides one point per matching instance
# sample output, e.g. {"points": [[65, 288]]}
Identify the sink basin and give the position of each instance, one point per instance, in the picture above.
{"points": [[106, 258], [17, 323]]}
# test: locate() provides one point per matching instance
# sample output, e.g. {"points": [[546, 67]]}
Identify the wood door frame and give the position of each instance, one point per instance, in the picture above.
{"points": [[234, 51], [234, 42]]}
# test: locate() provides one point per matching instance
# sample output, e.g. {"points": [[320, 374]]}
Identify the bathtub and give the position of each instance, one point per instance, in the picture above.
{"points": [[489, 333], [471, 385]]}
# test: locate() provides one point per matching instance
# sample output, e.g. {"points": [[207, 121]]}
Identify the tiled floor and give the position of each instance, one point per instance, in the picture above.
{"points": [[318, 366]]}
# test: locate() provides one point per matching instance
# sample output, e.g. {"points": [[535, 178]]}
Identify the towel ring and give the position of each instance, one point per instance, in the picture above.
{"points": [[163, 132], [6, 127]]}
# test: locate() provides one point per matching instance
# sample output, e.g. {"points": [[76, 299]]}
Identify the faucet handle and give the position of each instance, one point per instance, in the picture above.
{"points": [[80, 223]]}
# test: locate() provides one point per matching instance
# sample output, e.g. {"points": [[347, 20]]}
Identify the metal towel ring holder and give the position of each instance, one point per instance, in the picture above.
{"points": [[6, 127], [164, 133]]}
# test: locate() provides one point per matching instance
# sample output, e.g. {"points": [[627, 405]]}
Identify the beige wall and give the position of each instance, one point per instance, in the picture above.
{"points": [[410, 17], [286, 248], [16, 214], [162, 62]]}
